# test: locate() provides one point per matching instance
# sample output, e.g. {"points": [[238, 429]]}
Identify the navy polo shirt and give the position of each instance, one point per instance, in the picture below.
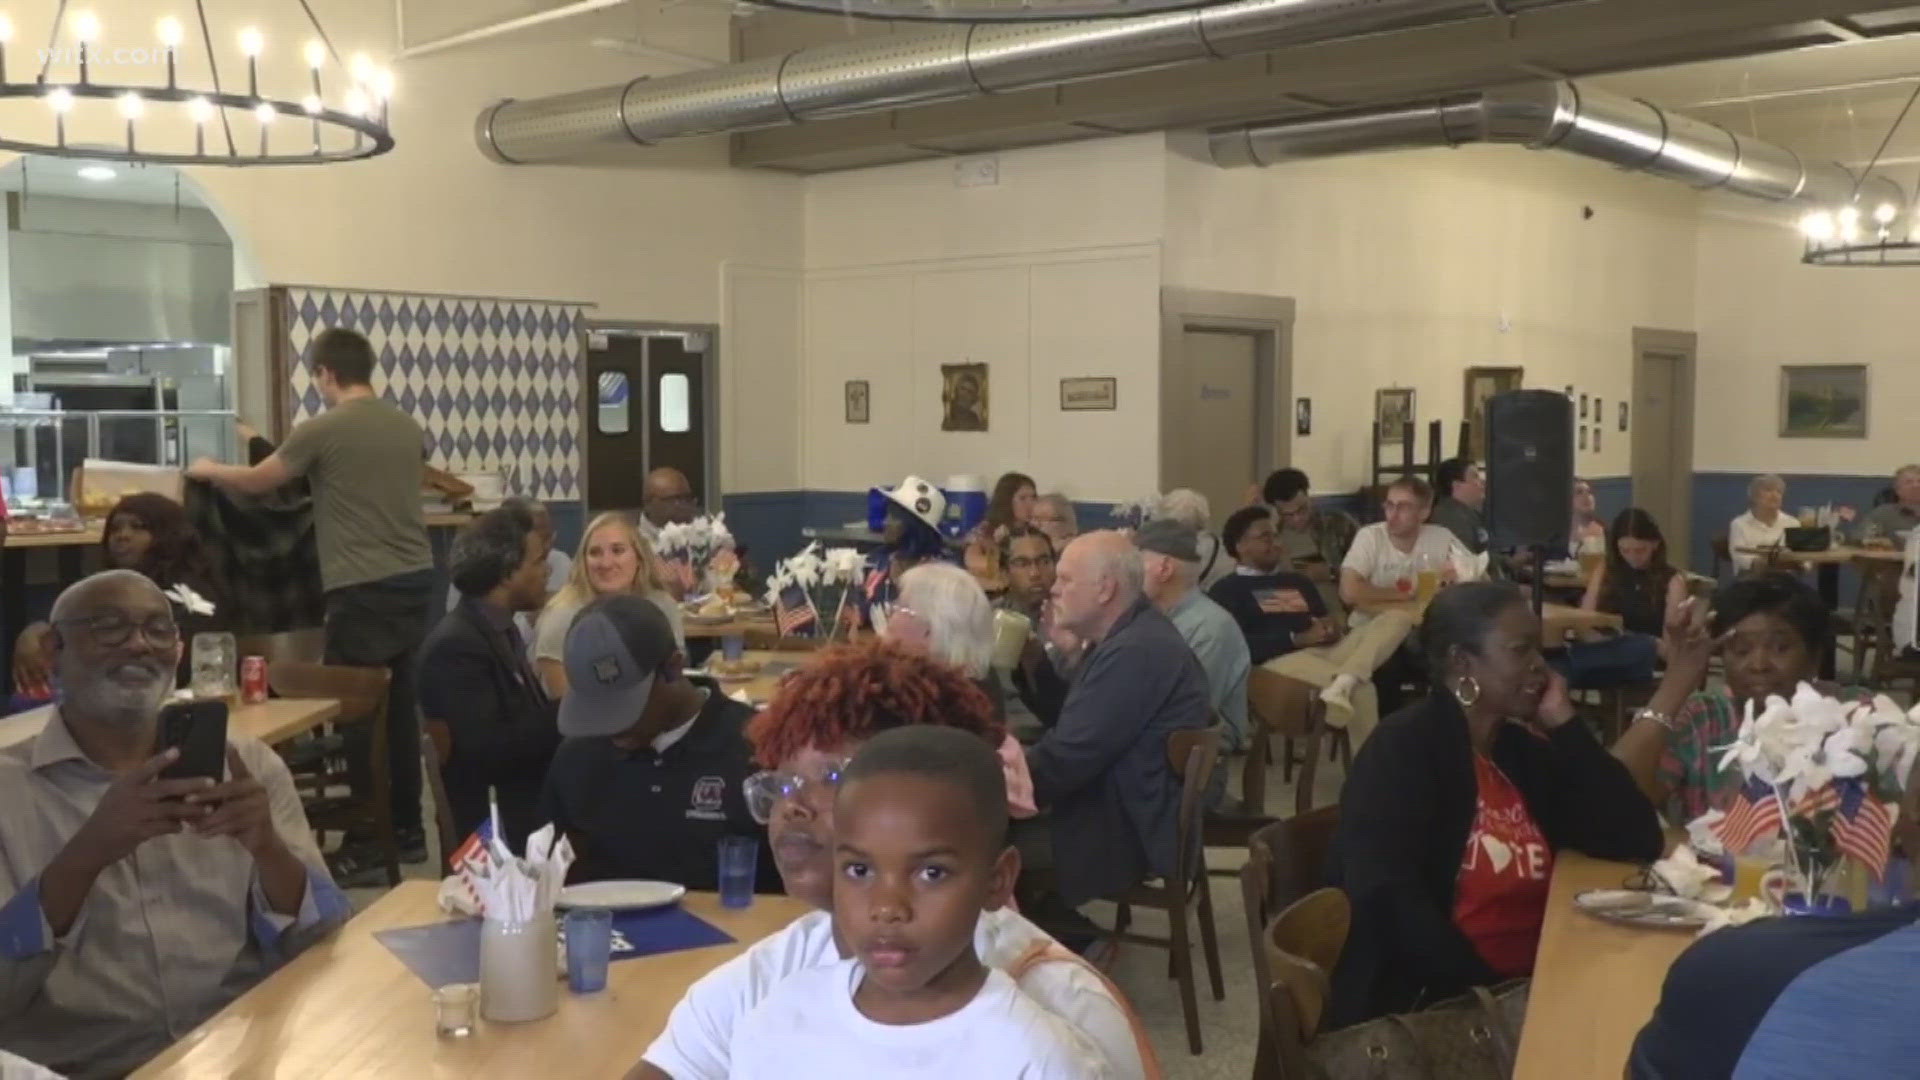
{"points": [[658, 815]]}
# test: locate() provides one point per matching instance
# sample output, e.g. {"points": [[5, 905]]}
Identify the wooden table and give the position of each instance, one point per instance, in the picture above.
{"points": [[1826, 576], [1556, 620], [1594, 983], [761, 687], [739, 626], [348, 1008], [273, 721]]}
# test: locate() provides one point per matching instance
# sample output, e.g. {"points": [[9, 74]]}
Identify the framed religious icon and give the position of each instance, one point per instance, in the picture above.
{"points": [[963, 397]]}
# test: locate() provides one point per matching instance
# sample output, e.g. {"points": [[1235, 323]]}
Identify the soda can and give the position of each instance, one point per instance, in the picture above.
{"points": [[253, 680]]}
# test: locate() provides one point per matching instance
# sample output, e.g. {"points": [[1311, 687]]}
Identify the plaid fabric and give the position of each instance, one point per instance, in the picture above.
{"points": [[265, 551], [1690, 764], [1333, 532]]}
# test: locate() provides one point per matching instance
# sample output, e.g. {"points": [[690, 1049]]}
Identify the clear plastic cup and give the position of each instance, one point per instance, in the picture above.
{"points": [[589, 934], [454, 1008], [739, 856]]}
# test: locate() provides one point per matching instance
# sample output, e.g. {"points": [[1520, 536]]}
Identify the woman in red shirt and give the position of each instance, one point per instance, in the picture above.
{"points": [[1455, 807]]}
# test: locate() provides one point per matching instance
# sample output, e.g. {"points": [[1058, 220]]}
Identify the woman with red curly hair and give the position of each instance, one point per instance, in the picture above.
{"points": [[817, 720]]}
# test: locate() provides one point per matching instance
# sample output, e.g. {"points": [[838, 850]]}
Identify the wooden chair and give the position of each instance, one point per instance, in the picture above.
{"points": [[1293, 962], [436, 743], [1277, 704], [1194, 755], [331, 801], [1873, 627], [305, 646]]}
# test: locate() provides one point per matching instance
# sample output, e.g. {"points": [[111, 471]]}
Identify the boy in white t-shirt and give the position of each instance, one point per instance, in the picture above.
{"points": [[1385, 558], [920, 852]]}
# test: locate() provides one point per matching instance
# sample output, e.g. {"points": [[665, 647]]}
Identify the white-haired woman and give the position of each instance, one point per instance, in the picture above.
{"points": [[1763, 526], [1190, 508], [943, 612]]}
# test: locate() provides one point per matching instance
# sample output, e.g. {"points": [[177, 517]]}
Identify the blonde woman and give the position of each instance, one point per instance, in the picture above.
{"points": [[613, 558]]}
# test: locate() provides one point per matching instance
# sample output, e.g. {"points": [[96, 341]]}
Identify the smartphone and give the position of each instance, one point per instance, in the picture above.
{"points": [[198, 729]]}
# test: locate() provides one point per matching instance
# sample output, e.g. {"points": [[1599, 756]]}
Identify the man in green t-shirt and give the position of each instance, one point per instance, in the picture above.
{"points": [[365, 459]]}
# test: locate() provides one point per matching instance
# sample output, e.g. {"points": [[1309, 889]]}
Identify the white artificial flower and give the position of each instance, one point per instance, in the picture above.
{"points": [[1844, 751], [845, 564], [192, 601], [1822, 713], [1804, 770]]}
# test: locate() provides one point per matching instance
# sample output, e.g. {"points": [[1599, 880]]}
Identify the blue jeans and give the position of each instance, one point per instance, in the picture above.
{"points": [[1601, 665]]}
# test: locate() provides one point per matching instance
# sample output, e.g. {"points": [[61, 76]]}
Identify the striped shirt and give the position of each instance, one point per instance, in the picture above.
{"points": [[166, 936]]}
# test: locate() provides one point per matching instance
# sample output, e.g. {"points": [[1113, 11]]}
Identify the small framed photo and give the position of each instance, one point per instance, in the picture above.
{"points": [[1583, 408], [1303, 416], [859, 401], [1599, 413], [1623, 416], [1583, 436], [1100, 394], [1393, 411], [1597, 429]]}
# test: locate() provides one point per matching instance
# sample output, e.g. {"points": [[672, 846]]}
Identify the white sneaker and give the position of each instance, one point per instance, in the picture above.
{"points": [[1338, 699]]}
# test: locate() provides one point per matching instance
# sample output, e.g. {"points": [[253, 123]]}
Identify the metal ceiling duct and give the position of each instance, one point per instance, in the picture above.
{"points": [[886, 72], [1626, 132]]}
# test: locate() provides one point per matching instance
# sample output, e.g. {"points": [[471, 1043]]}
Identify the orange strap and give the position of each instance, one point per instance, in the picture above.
{"points": [[1050, 951]]}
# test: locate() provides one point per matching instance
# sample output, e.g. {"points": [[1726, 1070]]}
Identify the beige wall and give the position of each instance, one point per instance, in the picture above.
{"points": [[1409, 268], [1052, 273], [1760, 308]]}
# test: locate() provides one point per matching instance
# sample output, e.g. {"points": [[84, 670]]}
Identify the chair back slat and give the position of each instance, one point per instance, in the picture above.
{"points": [[1193, 754]]}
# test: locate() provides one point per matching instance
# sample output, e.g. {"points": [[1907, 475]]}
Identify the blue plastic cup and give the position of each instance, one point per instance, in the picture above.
{"points": [[589, 949], [739, 856], [732, 646]]}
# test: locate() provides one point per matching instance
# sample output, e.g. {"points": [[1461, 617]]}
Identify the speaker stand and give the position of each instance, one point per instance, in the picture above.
{"points": [[1539, 579]]}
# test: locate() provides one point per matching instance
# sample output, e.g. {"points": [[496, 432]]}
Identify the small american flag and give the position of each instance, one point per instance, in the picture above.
{"points": [[472, 860], [793, 611], [1817, 801], [1863, 826], [1755, 813]]}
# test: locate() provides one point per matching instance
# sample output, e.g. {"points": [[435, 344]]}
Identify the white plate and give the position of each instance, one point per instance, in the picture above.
{"points": [[621, 895], [1636, 907]]}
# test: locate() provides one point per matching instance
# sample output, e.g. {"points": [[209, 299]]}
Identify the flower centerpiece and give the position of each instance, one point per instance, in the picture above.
{"points": [[1133, 513], [810, 591], [698, 555], [1824, 779]]}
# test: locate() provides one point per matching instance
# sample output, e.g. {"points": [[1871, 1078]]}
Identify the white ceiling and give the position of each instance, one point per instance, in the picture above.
{"points": [[130, 184], [1830, 101]]}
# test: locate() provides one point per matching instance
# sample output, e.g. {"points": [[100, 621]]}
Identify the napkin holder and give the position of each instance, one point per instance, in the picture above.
{"points": [[517, 969]]}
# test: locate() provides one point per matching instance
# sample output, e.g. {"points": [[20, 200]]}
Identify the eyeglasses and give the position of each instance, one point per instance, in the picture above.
{"points": [[113, 629], [767, 789], [1022, 562]]}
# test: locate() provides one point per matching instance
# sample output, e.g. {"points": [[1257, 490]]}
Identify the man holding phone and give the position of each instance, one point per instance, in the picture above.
{"points": [[1290, 631], [134, 904]]}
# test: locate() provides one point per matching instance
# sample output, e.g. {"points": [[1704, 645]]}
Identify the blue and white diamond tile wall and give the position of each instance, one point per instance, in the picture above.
{"points": [[495, 383]]}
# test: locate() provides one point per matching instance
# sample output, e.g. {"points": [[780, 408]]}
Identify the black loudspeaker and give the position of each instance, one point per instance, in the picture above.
{"points": [[1529, 469]]}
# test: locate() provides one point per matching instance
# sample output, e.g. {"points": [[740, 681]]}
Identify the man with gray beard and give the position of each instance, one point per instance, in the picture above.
{"points": [[133, 907]]}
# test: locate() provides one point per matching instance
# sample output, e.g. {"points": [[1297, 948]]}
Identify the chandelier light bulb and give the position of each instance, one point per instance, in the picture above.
{"points": [[361, 68], [252, 42], [200, 109], [383, 84], [60, 100], [1818, 226], [311, 103], [1849, 217], [6, 29], [264, 112], [86, 27], [356, 102], [171, 32], [132, 105], [316, 55], [1884, 213]]}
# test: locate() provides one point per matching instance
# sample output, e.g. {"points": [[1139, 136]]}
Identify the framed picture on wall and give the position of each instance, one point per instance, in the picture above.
{"points": [[1393, 411], [1623, 416], [1481, 384], [1089, 395], [1303, 416], [963, 397], [1597, 429], [859, 403], [1823, 401], [1583, 406], [1582, 428]]}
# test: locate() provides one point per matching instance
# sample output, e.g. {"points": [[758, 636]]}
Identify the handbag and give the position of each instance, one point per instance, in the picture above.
{"points": [[1470, 1037]]}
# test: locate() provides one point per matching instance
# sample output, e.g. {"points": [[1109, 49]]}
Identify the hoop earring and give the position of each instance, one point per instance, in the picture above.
{"points": [[1466, 691]]}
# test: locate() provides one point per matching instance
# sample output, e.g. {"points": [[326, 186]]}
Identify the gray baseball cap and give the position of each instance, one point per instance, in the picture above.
{"points": [[1168, 538], [615, 647]]}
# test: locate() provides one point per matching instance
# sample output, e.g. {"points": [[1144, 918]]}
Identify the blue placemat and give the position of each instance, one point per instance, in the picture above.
{"points": [[449, 952]]}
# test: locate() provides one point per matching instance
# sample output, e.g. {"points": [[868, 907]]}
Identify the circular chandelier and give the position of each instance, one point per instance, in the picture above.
{"points": [[71, 113], [986, 11], [1889, 236]]}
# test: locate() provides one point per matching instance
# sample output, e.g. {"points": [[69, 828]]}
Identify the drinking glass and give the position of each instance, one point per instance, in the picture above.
{"points": [[589, 934], [739, 856], [215, 656], [732, 646], [1426, 578], [454, 1006]]}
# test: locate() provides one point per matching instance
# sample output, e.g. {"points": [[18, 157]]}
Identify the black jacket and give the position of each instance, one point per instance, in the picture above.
{"points": [[503, 726], [1269, 633], [1405, 814], [1103, 770]]}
